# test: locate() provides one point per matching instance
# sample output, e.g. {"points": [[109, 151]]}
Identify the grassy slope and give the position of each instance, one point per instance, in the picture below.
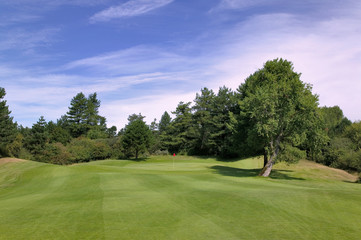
{"points": [[191, 198]]}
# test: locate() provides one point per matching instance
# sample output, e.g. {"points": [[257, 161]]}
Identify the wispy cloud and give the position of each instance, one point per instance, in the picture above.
{"points": [[10, 20], [134, 60], [22, 39], [326, 52], [241, 4], [129, 9], [46, 4], [150, 79]]}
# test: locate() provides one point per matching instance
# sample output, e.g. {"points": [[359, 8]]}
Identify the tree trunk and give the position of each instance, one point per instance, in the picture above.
{"points": [[136, 154], [265, 158], [275, 147], [267, 169]]}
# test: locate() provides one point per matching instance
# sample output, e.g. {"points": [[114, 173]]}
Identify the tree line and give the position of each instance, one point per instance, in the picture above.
{"points": [[273, 113]]}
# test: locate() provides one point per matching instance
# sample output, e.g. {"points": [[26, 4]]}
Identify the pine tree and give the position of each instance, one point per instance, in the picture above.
{"points": [[137, 136], [164, 122], [180, 134], [38, 137], [83, 117], [7, 127], [204, 122], [76, 116]]}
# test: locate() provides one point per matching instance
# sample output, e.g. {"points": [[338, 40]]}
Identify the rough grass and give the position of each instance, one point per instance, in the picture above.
{"points": [[177, 198]]}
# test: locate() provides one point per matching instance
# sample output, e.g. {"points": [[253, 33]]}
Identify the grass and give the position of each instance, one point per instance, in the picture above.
{"points": [[177, 198]]}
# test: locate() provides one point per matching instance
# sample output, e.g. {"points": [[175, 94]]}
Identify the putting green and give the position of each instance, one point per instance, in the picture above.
{"points": [[177, 198]]}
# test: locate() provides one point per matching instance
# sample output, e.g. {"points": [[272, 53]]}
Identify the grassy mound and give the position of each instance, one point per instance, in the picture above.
{"points": [[177, 198]]}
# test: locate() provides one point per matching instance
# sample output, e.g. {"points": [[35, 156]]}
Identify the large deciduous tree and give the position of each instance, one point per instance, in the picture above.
{"points": [[281, 108]]}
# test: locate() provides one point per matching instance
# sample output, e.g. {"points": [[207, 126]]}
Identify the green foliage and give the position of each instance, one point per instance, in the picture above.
{"points": [[279, 106], [100, 150], [7, 127], [85, 150], [112, 131], [38, 137], [211, 115], [15, 147], [223, 105], [354, 133], [56, 133], [83, 116], [165, 120], [291, 154], [56, 153], [116, 147], [203, 122], [180, 133], [137, 136], [344, 152], [76, 116], [334, 120], [97, 133]]}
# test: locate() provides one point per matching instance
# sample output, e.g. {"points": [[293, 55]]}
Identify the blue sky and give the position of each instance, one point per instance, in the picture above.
{"points": [[145, 56]]}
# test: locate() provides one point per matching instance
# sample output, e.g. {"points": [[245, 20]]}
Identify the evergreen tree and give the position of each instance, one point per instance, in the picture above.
{"points": [[137, 136], [224, 104], [204, 124], [163, 128], [112, 131], [57, 133], [7, 127], [83, 117], [164, 122], [180, 134], [77, 114], [38, 137]]}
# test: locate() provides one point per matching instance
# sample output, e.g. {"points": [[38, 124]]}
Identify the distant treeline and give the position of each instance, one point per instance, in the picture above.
{"points": [[272, 114]]}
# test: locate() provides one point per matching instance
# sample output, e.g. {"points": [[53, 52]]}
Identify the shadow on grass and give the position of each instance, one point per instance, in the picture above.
{"points": [[235, 159], [238, 172], [358, 181], [221, 159], [135, 159]]}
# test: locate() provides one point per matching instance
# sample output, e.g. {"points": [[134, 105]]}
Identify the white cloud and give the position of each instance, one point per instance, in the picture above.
{"points": [[21, 39], [134, 60], [129, 9], [327, 54], [46, 4], [49, 95], [241, 4], [8, 20], [150, 106]]}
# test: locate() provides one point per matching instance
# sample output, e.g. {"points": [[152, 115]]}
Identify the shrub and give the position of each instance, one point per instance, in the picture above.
{"points": [[100, 150], [80, 149], [56, 153], [85, 150], [291, 154]]}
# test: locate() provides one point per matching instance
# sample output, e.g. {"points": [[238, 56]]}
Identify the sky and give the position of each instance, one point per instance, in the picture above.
{"points": [[145, 56]]}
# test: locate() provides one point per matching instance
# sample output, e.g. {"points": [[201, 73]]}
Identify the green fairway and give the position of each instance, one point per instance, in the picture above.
{"points": [[177, 198]]}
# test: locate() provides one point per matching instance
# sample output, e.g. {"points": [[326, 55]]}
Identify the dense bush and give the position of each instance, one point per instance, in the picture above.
{"points": [[85, 150], [291, 154], [341, 154], [100, 150], [56, 153]]}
